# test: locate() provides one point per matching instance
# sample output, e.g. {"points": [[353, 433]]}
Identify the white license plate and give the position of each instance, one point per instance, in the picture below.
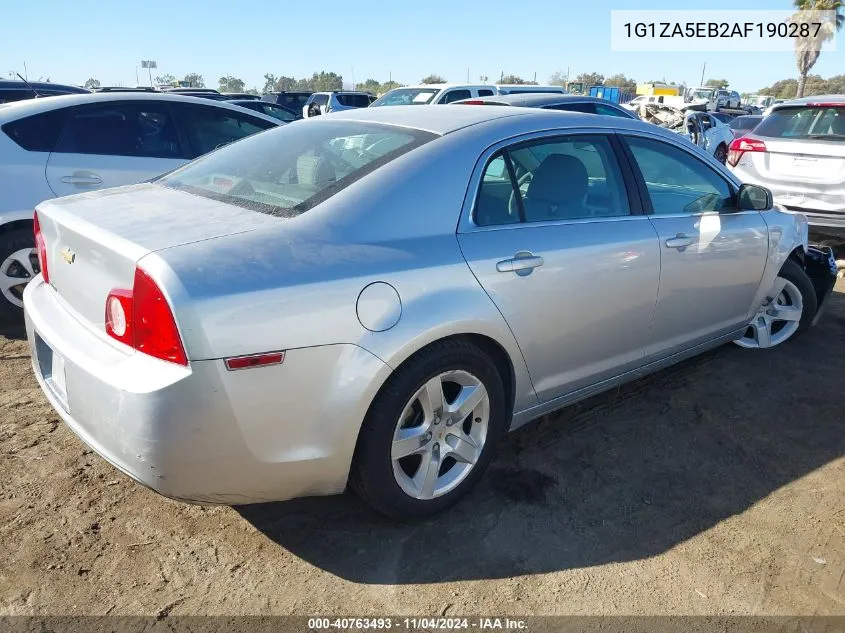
{"points": [[57, 376]]}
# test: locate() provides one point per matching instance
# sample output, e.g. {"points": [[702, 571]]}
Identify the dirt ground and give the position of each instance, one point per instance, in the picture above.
{"points": [[714, 487]]}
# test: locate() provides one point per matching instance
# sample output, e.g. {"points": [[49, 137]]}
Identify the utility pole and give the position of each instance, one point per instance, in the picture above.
{"points": [[467, 75], [702, 74], [25, 74]]}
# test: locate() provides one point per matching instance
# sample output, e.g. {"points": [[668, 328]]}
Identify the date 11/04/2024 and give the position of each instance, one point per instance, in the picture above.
{"points": [[722, 29], [415, 623]]}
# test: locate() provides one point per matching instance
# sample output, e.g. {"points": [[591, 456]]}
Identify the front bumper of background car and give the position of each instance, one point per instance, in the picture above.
{"points": [[820, 266]]}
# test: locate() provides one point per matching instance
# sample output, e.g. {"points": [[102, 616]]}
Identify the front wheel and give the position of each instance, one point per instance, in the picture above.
{"points": [[787, 311], [431, 431]]}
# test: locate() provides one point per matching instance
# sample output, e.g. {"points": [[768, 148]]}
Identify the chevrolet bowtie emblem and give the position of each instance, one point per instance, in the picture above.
{"points": [[68, 255]]}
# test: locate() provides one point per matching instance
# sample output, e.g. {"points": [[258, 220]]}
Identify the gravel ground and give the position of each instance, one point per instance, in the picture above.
{"points": [[714, 487]]}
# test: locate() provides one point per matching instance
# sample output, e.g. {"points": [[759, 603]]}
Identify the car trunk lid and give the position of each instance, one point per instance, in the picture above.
{"points": [[94, 241]]}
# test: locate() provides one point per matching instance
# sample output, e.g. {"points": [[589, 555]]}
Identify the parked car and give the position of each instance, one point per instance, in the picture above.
{"points": [[290, 99], [707, 131], [335, 101], [743, 124], [270, 109], [430, 94], [11, 91], [798, 151], [514, 89], [571, 103], [378, 296], [241, 96], [77, 143], [727, 99]]}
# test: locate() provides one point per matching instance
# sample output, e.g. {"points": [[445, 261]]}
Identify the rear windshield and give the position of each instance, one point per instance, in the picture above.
{"points": [[808, 122], [354, 101], [289, 170], [406, 96]]}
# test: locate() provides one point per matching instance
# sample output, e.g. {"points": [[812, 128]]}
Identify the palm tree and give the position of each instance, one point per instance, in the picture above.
{"points": [[808, 49]]}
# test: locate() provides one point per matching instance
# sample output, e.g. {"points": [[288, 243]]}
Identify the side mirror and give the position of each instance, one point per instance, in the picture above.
{"points": [[754, 198]]}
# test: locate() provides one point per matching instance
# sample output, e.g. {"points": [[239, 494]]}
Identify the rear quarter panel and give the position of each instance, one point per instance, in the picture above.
{"points": [[297, 284]]}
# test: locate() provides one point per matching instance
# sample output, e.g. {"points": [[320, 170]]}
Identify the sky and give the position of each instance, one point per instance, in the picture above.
{"points": [[70, 41]]}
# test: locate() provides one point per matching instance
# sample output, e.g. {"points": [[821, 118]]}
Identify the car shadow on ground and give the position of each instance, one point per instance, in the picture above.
{"points": [[622, 476], [13, 330]]}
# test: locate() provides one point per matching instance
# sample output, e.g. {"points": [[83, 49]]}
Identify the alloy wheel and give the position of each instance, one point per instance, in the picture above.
{"points": [[777, 319], [16, 271], [440, 434]]}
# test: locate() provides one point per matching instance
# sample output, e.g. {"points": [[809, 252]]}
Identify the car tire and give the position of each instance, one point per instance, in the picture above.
{"points": [[797, 286], [12, 243], [385, 481], [721, 153]]}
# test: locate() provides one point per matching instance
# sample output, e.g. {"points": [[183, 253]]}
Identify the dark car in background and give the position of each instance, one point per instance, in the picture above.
{"points": [[571, 103], [16, 90], [743, 124], [270, 109], [290, 99]]}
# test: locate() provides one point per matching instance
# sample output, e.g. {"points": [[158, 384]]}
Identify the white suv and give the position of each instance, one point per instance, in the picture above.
{"points": [[77, 143], [325, 102]]}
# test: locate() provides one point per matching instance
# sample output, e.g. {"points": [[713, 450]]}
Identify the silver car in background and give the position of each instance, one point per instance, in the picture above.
{"points": [[798, 152], [375, 297]]}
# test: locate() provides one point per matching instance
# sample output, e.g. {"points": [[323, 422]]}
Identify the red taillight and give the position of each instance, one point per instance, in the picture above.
{"points": [[825, 104], [142, 319], [471, 102], [41, 248], [741, 145]]}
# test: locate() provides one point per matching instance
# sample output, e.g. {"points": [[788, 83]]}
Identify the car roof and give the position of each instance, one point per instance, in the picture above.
{"points": [[16, 84], [444, 86], [29, 107], [813, 99], [446, 119], [535, 100]]}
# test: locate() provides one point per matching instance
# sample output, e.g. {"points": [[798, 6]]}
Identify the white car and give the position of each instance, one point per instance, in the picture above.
{"points": [[335, 101], [77, 143], [439, 94], [710, 133]]}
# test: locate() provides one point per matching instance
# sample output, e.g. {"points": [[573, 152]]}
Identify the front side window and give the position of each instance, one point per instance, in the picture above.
{"points": [[295, 167], [455, 95], [609, 111], [676, 181], [568, 178], [209, 127], [121, 129]]}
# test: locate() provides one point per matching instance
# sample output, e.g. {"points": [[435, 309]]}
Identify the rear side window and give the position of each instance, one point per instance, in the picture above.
{"points": [[821, 123], [610, 111], [485, 93], [121, 129], [455, 95], [354, 101], [37, 133], [568, 178], [9, 96], [294, 168], [208, 128]]}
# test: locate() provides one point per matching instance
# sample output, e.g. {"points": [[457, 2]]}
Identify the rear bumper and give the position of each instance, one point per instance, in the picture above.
{"points": [[821, 268], [202, 433]]}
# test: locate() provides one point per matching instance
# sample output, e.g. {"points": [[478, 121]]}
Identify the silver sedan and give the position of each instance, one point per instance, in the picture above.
{"points": [[375, 297]]}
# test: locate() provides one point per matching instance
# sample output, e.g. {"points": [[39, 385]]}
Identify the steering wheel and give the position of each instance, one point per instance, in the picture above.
{"points": [[522, 185]]}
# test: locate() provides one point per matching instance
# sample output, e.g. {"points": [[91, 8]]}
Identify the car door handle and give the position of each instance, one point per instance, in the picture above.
{"points": [[519, 263], [81, 180], [679, 241]]}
